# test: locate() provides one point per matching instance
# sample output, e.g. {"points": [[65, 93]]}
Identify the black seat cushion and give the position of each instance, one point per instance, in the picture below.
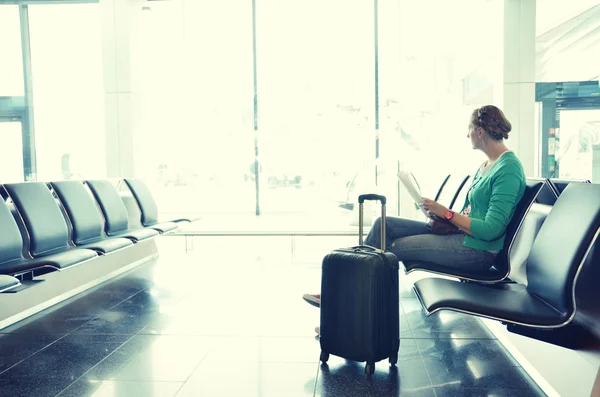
{"points": [[8, 282], [65, 259], [164, 227], [61, 260], [509, 302], [139, 234], [471, 274], [108, 245]]}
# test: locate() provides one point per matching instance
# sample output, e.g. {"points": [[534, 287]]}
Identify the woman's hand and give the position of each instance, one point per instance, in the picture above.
{"points": [[434, 208]]}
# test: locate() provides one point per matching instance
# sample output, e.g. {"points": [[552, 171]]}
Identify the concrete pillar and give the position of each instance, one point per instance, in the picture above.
{"points": [[119, 23], [517, 96], [596, 164]]}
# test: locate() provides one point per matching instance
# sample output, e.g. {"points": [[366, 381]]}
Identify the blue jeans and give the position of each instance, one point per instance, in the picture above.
{"points": [[412, 240]]}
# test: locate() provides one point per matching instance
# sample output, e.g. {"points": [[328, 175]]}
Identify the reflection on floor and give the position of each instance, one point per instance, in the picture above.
{"points": [[215, 323]]}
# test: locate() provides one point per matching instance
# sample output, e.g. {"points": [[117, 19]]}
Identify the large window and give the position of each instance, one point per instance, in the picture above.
{"points": [[11, 64], [316, 103], [195, 144], [341, 102], [568, 89], [68, 90], [435, 68], [11, 151]]}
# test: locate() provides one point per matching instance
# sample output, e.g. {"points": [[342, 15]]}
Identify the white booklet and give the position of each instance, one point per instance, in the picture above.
{"points": [[410, 183]]}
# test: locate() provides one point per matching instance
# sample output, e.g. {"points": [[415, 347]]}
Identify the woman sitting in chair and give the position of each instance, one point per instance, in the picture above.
{"points": [[478, 230]]}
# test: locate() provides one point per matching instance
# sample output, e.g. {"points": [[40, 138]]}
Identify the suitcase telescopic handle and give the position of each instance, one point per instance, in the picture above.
{"points": [[373, 197], [361, 201]]}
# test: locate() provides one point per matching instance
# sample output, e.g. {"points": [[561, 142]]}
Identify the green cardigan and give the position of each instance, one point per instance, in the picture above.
{"points": [[494, 198]]}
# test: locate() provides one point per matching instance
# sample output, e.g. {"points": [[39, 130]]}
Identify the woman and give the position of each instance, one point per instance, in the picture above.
{"points": [[497, 187]]}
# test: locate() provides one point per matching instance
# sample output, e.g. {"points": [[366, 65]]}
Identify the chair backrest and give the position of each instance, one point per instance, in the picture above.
{"points": [[111, 205], [448, 194], [41, 215], [548, 194], [11, 242], [441, 188], [532, 189], [524, 239], [81, 209], [559, 184], [561, 245], [587, 293], [461, 195], [145, 201]]}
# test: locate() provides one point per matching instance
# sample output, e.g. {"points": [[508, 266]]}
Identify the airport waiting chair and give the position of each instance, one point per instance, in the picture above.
{"points": [[501, 269], [86, 220], [559, 184], [46, 228], [149, 209], [559, 252], [116, 219], [451, 188], [8, 282]]}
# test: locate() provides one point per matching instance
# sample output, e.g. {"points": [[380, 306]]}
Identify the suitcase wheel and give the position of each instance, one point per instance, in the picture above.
{"points": [[324, 356], [394, 358], [369, 368]]}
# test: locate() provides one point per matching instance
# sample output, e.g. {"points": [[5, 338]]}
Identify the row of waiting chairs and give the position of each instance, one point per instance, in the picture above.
{"points": [[53, 226], [539, 196], [545, 276]]}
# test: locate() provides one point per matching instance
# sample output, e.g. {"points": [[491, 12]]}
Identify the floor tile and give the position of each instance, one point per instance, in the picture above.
{"points": [[266, 349], [108, 388], [341, 377], [52, 369], [16, 347], [191, 325], [129, 316], [50, 323], [443, 324], [498, 392], [470, 363], [251, 379], [152, 358]]}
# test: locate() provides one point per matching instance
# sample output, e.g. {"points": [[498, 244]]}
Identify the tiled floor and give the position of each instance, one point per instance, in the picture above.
{"points": [[218, 323]]}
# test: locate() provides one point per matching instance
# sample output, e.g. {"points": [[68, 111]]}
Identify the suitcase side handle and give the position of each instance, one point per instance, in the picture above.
{"points": [[361, 200]]}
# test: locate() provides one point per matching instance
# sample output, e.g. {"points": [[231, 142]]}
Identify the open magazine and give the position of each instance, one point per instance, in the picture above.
{"points": [[411, 184]]}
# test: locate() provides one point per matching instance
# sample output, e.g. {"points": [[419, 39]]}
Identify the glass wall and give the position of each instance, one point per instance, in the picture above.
{"points": [[12, 101], [329, 106], [11, 64], [11, 152], [68, 90], [431, 81], [568, 89], [196, 86], [316, 117]]}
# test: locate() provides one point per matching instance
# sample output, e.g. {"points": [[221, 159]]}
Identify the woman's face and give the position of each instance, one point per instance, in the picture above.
{"points": [[473, 135]]}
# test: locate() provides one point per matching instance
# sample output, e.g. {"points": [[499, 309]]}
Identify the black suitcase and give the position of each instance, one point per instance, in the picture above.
{"points": [[360, 313]]}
